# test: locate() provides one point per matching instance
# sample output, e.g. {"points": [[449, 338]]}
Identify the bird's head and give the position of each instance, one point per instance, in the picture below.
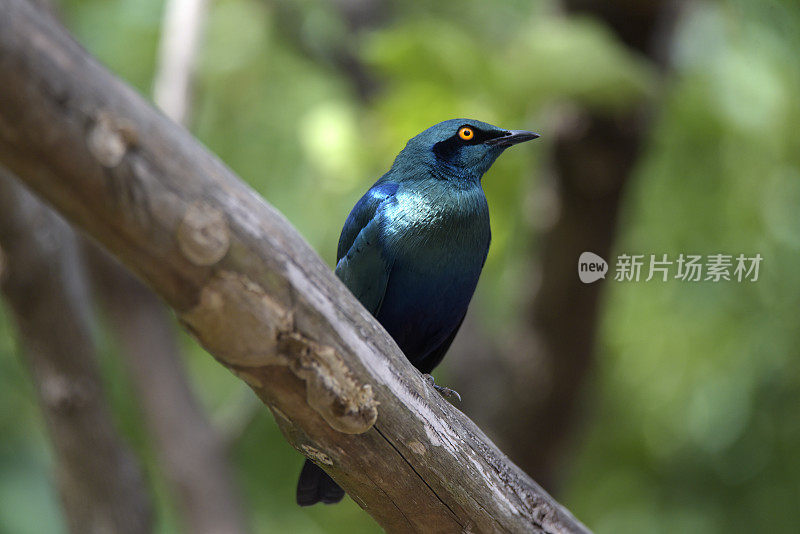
{"points": [[461, 148]]}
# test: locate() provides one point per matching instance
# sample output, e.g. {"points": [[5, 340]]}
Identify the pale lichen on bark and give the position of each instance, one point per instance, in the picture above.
{"points": [[416, 447]]}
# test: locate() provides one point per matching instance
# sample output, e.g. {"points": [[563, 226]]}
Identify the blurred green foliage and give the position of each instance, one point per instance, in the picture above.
{"points": [[699, 425], [697, 428]]}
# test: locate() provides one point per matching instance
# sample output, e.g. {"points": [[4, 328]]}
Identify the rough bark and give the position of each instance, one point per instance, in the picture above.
{"points": [[99, 482], [250, 289]]}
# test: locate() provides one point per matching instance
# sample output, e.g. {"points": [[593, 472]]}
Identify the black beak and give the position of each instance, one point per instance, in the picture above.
{"points": [[512, 137]]}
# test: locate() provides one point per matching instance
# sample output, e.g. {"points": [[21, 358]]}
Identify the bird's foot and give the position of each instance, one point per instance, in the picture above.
{"points": [[444, 391]]}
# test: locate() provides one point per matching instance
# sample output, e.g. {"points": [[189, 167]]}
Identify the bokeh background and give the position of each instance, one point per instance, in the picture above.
{"points": [[667, 127]]}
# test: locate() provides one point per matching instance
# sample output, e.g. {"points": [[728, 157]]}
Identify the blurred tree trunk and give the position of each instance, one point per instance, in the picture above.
{"points": [[99, 481], [543, 373]]}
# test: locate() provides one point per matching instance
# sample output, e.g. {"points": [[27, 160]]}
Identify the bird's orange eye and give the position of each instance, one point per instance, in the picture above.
{"points": [[466, 133]]}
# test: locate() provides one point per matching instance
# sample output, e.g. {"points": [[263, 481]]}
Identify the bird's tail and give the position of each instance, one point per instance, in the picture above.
{"points": [[315, 485]]}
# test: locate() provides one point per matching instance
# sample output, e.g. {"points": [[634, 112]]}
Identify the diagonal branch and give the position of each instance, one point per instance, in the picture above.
{"points": [[244, 282]]}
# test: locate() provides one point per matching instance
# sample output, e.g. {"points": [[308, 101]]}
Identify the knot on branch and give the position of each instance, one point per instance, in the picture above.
{"points": [[64, 395], [109, 139], [238, 322], [203, 235], [330, 388], [245, 328]]}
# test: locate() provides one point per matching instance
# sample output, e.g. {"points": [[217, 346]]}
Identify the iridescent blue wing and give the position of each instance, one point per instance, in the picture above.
{"points": [[362, 263]]}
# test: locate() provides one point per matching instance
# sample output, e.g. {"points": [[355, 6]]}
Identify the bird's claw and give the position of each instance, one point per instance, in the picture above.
{"points": [[443, 391]]}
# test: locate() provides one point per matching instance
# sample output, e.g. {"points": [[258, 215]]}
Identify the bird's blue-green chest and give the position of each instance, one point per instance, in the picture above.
{"points": [[435, 241], [438, 226]]}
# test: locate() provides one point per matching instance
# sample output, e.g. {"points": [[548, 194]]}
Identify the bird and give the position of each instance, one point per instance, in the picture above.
{"points": [[413, 247]]}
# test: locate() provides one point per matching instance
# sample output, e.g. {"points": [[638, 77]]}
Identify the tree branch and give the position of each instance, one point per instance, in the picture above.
{"points": [[250, 289], [99, 481]]}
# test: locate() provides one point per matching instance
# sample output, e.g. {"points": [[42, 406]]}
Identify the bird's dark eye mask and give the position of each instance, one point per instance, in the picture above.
{"points": [[465, 135]]}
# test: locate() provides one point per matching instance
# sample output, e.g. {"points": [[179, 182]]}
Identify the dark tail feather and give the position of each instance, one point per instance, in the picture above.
{"points": [[316, 486]]}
